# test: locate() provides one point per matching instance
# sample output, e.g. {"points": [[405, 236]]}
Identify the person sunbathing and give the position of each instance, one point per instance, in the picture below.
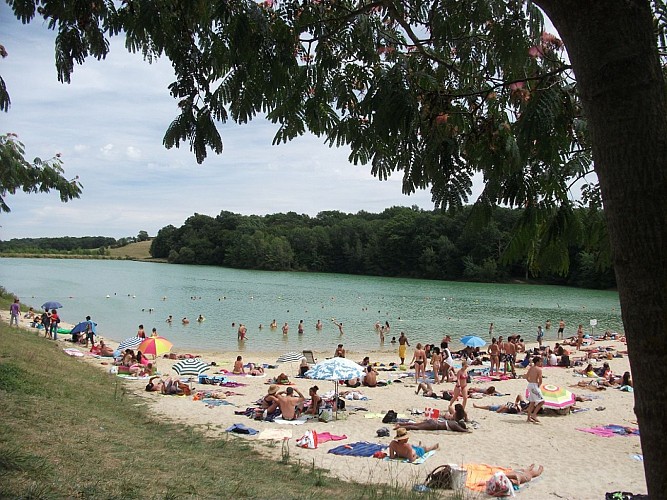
{"points": [[315, 401], [400, 448], [371, 377], [168, 386], [290, 405], [255, 370], [521, 476], [432, 424], [238, 366], [518, 406]]}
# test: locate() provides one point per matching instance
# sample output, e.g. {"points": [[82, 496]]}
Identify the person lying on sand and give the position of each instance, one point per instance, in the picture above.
{"points": [[521, 476], [170, 386], [518, 406], [400, 448], [431, 424]]}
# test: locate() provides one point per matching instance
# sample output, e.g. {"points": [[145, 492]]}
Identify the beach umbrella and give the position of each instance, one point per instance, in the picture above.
{"points": [[51, 304], [130, 343], [190, 366], [83, 326], [290, 357], [473, 341], [556, 397], [156, 346], [335, 369]]}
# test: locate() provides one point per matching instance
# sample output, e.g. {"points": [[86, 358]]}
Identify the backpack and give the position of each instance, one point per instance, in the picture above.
{"points": [[440, 477], [390, 417]]}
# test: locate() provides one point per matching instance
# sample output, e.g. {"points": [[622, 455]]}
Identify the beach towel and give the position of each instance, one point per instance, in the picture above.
{"points": [[479, 474], [211, 402], [323, 437], [70, 351], [242, 429], [358, 449], [419, 461], [301, 420], [611, 430], [275, 434], [232, 384]]}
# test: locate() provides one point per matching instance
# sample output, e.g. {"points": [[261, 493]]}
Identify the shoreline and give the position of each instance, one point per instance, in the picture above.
{"points": [[572, 469]]}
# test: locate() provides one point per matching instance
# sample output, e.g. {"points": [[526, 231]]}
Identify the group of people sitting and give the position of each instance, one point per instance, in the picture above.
{"points": [[136, 365]]}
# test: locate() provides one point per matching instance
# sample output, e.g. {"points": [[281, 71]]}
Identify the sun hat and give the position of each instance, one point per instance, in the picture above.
{"points": [[273, 388], [401, 434]]}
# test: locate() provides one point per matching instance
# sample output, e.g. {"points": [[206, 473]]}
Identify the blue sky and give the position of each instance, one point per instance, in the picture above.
{"points": [[108, 124]]}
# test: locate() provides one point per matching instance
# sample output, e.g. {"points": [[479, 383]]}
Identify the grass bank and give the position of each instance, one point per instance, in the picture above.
{"points": [[70, 430]]}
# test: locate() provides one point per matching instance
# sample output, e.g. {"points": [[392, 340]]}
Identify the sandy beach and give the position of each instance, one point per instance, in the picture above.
{"points": [[577, 464]]}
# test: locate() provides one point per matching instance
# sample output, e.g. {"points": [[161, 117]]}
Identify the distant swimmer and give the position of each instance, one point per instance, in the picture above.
{"points": [[185, 321], [285, 329], [318, 325], [273, 325], [169, 319], [200, 318]]}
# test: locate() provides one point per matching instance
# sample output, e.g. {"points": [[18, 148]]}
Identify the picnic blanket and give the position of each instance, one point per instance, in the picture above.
{"points": [[420, 460], [611, 430], [211, 402], [70, 351], [358, 449]]}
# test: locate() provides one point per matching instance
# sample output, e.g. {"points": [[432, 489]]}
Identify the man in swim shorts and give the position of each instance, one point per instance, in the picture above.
{"points": [[535, 398], [399, 447], [402, 347]]}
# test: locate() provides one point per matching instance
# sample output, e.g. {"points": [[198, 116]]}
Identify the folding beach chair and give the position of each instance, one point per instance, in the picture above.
{"points": [[310, 358]]}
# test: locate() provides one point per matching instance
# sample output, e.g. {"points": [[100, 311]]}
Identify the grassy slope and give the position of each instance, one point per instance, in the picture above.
{"points": [[139, 250]]}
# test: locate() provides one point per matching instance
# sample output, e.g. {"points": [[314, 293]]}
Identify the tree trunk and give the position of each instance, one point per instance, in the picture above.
{"points": [[613, 51]]}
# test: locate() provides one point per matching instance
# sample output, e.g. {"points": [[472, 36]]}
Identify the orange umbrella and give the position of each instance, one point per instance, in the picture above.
{"points": [[155, 346]]}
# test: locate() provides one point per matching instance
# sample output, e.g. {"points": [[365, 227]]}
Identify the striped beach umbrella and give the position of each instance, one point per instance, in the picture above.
{"points": [[290, 357], [130, 343], [556, 397], [157, 346], [190, 367], [335, 369]]}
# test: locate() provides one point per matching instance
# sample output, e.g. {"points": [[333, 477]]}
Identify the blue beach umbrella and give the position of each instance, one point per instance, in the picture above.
{"points": [[83, 326], [51, 304], [473, 341]]}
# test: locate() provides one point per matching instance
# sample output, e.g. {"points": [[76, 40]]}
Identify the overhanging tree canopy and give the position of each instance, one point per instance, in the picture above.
{"points": [[440, 91]]}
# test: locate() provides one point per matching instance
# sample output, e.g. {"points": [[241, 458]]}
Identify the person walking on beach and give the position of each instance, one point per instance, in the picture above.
{"points": [[547, 325], [580, 337], [535, 398], [14, 313], [461, 387], [402, 347], [46, 322], [510, 355], [494, 354], [561, 329]]}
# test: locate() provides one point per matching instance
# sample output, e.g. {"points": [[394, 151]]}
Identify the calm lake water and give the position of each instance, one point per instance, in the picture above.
{"points": [[119, 295]]}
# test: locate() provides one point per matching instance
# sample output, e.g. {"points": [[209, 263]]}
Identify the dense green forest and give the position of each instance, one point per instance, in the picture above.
{"points": [[400, 241]]}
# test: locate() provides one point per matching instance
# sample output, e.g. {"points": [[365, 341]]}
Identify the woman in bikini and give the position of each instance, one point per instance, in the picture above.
{"points": [[436, 362], [419, 359], [494, 354], [460, 389]]}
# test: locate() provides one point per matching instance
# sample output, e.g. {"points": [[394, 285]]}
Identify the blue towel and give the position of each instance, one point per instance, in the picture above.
{"points": [[242, 429], [358, 449]]}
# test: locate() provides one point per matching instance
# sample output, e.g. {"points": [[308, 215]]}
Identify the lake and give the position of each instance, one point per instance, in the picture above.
{"points": [[120, 295]]}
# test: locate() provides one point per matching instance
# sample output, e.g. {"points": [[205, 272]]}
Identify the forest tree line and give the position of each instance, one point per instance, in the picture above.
{"points": [[398, 242], [67, 245]]}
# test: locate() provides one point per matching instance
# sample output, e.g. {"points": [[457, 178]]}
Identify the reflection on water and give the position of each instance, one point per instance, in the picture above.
{"points": [[120, 295]]}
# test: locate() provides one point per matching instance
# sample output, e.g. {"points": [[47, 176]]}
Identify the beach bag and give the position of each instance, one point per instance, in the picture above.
{"points": [[390, 417], [308, 440], [499, 485], [440, 477], [431, 413], [325, 415]]}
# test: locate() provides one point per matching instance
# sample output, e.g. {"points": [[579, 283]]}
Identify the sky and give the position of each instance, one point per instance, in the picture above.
{"points": [[108, 125]]}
